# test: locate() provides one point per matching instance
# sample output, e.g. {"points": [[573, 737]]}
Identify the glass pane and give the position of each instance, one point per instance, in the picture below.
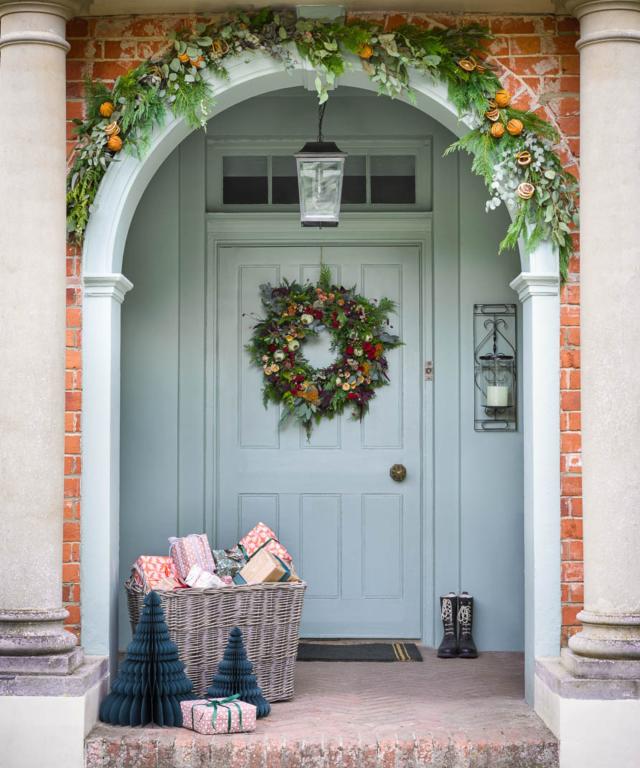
{"points": [[284, 180], [244, 180], [354, 186], [393, 179], [320, 189]]}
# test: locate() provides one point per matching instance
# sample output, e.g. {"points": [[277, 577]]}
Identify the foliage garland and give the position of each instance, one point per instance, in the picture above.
{"points": [[359, 334], [512, 149]]}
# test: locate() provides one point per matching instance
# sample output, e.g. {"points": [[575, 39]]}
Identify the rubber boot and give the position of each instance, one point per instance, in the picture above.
{"points": [[448, 648], [466, 647]]}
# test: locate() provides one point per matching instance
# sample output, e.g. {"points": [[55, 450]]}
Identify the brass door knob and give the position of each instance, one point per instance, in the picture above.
{"points": [[398, 472]]}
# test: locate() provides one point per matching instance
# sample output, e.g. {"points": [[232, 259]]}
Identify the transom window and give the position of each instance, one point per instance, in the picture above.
{"points": [[383, 175]]}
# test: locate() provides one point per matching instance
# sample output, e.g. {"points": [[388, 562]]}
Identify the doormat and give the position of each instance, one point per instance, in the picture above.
{"points": [[359, 652]]}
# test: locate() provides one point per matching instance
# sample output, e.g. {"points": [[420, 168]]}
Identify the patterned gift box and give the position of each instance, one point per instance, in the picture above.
{"points": [[155, 572], [189, 551], [262, 537], [214, 716]]}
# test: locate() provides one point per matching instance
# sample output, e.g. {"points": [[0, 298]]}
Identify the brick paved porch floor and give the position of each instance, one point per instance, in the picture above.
{"points": [[442, 714]]}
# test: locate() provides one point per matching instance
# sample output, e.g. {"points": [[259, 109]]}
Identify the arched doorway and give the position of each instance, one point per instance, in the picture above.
{"points": [[105, 287]]}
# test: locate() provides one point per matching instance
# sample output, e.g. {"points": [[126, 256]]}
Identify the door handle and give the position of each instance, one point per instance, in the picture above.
{"points": [[398, 472]]}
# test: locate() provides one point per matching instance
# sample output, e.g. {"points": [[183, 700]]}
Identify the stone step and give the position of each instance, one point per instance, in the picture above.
{"points": [[454, 713], [111, 747]]}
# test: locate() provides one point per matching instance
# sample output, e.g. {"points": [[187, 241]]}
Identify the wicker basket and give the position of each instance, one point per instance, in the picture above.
{"points": [[199, 622]]}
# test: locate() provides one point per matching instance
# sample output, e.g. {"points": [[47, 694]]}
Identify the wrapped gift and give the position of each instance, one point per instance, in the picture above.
{"points": [[189, 551], [155, 572], [213, 716], [265, 566], [200, 579], [229, 561], [262, 537]]}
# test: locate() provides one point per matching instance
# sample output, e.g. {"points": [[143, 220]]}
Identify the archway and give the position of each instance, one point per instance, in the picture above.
{"points": [[105, 289]]}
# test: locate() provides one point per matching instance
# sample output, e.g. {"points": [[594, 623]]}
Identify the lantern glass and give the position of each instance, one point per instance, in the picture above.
{"points": [[497, 376], [320, 175]]}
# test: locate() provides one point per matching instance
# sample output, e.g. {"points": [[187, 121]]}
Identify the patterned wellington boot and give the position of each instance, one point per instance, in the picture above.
{"points": [[467, 648], [449, 612]]}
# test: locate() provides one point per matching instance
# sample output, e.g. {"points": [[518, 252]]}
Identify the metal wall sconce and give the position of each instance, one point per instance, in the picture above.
{"points": [[320, 173], [495, 335]]}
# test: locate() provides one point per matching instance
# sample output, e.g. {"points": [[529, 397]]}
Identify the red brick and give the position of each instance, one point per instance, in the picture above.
{"points": [[73, 401], [110, 70], [71, 487], [572, 550], [571, 485], [121, 49], [576, 593], [568, 24], [70, 572], [512, 25], [524, 44], [572, 571], [570, 442], [569, 614], [571, 528], [74, 614], [77, 28]]}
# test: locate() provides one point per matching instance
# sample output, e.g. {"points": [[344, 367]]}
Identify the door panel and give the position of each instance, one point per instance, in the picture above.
{"points": [[354, 533]]}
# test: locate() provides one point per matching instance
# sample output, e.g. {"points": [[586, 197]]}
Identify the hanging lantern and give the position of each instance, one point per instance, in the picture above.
{"points": [[495, 358], [497, 376], [320, 173]]}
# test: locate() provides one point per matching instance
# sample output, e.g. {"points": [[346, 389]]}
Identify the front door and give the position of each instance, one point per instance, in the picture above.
{"points": [[354, 533]]}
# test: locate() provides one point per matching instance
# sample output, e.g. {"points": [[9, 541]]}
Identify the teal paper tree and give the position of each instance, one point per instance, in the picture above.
{"points": [[235, 676], [151, 682]]}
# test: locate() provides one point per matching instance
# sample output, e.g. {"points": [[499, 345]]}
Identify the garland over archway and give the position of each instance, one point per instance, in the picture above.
{"points": [[512, 149]]}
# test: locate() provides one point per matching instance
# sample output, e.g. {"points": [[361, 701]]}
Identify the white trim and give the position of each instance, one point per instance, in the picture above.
{"points": [[540, 297], [528, 284], [117, 199], [114, 286]]}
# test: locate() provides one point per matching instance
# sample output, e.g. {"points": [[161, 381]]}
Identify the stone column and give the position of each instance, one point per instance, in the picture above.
{"points": [[610, 276], [32, 334]]}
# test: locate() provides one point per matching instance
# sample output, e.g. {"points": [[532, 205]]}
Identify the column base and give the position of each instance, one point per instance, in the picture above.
{"points": [[46, 717], [34, 633], [595, 720], [607, 636], [51, 664]]}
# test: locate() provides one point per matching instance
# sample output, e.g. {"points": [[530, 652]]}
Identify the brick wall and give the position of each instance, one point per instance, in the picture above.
{"points": [[537, 62]]}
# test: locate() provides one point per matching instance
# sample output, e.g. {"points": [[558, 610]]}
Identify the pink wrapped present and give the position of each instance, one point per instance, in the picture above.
{"points": [[212, 716], [189, 551], [155, 572], [262, 537]]}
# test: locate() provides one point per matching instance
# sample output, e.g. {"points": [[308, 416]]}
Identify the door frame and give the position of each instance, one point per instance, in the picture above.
{"points": [[270, 228]]}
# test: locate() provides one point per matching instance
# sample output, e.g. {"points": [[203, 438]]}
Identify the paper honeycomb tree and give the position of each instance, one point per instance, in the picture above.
{"points": [[151, 682], [235, 676]]}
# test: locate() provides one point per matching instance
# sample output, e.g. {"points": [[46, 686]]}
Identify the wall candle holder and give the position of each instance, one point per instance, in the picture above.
{"points": [[495, 336]]}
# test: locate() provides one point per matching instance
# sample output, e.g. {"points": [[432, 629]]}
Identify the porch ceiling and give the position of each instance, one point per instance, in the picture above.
{"points": [[455, 713], [127, 7]]}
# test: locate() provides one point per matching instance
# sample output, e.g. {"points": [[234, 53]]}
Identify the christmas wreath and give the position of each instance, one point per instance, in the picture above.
{"points": [[360, 338]]}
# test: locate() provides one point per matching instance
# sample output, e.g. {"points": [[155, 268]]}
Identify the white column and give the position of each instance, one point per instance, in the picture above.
{"points": [[540, 391], [610, 278], [32, 328], [103, 297]]}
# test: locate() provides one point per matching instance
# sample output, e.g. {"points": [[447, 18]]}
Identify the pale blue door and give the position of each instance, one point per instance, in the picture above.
{"points": [[355, 534]]}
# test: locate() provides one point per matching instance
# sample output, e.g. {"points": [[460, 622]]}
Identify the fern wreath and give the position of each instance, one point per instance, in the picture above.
{"points": [[360, 337]]}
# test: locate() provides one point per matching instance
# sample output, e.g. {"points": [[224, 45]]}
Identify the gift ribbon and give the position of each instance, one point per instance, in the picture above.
{"points": [[214, 704]]}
